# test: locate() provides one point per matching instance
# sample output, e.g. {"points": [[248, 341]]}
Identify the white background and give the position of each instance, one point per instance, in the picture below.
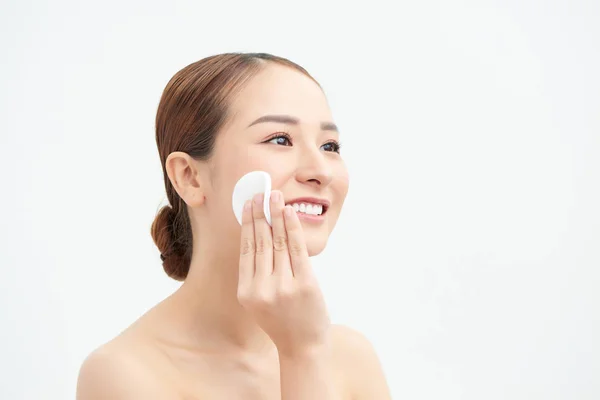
{"points": [[468, 251]]}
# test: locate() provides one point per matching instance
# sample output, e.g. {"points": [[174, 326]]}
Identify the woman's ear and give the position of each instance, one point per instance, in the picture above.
{"points": [[186, 178]]}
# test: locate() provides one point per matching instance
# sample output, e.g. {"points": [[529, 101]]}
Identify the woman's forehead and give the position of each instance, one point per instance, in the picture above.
{"points": [[279, 90]]}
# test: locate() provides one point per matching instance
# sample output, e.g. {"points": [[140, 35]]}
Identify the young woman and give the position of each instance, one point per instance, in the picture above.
{"points": [[249, 320]]}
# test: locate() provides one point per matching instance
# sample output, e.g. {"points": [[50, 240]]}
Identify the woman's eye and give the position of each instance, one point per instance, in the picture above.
{"points": [[331, 146], [284, 140], [281, 140]]}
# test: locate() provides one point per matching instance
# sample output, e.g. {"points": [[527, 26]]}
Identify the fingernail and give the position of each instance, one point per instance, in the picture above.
{"points": [[248, 205], [275, 196], [258, 199], [288, 210]]}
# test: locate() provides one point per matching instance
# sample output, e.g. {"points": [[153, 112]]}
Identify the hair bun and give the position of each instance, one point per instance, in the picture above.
{"points": [[175, 254]]}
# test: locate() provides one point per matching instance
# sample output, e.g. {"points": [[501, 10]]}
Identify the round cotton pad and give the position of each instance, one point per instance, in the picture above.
{"points": [[250, 184]]}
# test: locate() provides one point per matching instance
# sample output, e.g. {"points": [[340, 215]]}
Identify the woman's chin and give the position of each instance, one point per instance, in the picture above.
{"points": [[315, 246]]}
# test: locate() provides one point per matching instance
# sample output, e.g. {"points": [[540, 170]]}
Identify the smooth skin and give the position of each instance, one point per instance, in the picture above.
{"points": [[249, 322]]}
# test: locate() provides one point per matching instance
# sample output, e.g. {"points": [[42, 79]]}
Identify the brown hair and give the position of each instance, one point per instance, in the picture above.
{"points": [[192, 110]]}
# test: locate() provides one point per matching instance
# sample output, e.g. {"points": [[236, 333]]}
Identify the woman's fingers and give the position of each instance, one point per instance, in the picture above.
{"points": [[263, 238], [282, 265], [247, 249], [284, 299], [296, 244], [265, 250]]}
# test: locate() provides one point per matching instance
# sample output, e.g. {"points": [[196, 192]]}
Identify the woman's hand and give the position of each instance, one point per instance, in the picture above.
{"points": [[276, 283]]}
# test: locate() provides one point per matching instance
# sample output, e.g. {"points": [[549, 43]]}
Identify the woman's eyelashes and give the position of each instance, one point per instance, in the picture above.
{"points": [[284, 139], [333, 146]]}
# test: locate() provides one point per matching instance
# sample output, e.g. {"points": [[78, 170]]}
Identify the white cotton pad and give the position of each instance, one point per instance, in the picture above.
{"points": [[250, 184]]}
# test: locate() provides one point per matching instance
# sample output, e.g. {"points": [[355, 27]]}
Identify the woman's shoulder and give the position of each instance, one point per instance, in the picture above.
{"points": [[355, 355], [350, 343], [117, 369]]}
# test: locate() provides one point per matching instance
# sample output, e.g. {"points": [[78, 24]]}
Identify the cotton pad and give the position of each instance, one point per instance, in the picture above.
{"points": [[250, 184]]}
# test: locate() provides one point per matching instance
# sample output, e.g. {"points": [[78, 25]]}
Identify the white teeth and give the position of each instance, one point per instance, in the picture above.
{"points": [[307, 208]]}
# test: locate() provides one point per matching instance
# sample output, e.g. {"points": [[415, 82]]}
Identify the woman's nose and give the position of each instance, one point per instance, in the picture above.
{"points": [[314, 168]]}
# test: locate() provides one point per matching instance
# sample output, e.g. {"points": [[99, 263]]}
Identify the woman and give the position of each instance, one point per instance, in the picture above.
{"points": [[249, 321]]}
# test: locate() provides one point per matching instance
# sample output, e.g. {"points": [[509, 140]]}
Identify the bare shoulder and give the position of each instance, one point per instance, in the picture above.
{"points": [[356, 356], [113, 371]]}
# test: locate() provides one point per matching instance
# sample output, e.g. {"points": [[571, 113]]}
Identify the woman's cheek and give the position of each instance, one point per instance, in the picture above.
{"points": [[342, 178]]}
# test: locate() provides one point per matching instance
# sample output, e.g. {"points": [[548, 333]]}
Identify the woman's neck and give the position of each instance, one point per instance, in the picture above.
{"points": [[206, 306]]}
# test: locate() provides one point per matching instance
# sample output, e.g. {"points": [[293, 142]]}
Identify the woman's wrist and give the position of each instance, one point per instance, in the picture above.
{"points": [[305, 354], [315, 350], [307, 373]]}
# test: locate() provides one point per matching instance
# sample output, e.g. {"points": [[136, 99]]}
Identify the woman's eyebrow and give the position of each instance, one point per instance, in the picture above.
{"points": [[288, 119]]}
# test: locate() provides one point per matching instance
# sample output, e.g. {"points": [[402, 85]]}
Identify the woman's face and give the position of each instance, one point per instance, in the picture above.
{"points": [[280, 122]]}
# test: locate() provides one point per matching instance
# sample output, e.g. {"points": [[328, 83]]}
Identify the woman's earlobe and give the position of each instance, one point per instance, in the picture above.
{"points": [[197, 199]]}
